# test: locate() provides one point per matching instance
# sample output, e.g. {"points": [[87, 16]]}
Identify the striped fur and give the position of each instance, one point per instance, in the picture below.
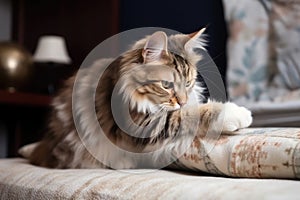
{"points": [[155, 80]]}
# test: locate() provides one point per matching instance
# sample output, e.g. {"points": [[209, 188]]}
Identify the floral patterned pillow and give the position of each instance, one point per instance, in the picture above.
{"points": [[263, 49]]}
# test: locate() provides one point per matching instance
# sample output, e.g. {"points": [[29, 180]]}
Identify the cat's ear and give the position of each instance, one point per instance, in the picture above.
{"points": [[196, 41], [155, 47]]}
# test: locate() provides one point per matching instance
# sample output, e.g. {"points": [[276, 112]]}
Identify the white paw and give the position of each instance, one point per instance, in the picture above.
{"points": [[234, 117]]}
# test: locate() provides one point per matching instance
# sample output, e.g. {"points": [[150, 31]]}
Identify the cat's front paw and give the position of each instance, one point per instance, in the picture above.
{"points": [[233, 117]]}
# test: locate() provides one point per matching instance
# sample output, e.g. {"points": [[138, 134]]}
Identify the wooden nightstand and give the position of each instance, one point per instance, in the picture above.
{"points": [[24, 116]]}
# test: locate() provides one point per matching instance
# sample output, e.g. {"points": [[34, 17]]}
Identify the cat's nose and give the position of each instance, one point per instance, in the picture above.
{"points": [[181, 102]]}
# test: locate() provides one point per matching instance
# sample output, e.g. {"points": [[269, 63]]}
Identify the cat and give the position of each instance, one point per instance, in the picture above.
{"points": [[146, 100]]}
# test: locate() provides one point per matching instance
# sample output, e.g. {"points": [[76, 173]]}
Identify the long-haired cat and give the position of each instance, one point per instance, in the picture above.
{"points": [[146, 102]]}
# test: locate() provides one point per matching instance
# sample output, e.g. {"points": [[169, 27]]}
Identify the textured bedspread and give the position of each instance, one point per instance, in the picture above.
{"points": [[20, 180], [254, 152]]}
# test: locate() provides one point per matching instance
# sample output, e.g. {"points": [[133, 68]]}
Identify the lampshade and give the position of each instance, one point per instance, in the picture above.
{"points": [[52, 49]]}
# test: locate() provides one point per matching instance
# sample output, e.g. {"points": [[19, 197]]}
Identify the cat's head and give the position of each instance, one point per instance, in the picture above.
{"points": [[160, 73]]}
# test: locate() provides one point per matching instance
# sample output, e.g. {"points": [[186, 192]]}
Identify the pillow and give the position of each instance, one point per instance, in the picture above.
{"points": [[252, 152]]}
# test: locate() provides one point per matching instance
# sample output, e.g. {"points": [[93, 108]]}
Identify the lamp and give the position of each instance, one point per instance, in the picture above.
{"points": [[51, 57], [52, 49]]}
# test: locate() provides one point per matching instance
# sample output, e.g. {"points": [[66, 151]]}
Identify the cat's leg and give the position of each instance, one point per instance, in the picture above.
{"points": [[224, 117]]}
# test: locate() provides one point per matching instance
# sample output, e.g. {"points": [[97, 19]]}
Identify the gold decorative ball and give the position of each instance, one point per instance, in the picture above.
{"points": [[15, 66]]}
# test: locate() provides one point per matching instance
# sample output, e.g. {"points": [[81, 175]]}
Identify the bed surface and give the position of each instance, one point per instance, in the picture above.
{"points": [[20, 180], [264, 161]]}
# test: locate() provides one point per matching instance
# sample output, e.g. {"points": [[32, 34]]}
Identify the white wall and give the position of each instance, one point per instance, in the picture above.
{"points": [[5, 20]]}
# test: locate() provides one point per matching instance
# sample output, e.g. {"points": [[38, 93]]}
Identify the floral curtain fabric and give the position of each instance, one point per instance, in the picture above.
{"points": [[263, 50]]}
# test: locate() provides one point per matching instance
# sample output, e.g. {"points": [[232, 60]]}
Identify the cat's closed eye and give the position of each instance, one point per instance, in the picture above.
{"points": [[167, 84]]}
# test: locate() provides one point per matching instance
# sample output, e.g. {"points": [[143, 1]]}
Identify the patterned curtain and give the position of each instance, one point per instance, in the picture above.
{"points": [[263, 50]]}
